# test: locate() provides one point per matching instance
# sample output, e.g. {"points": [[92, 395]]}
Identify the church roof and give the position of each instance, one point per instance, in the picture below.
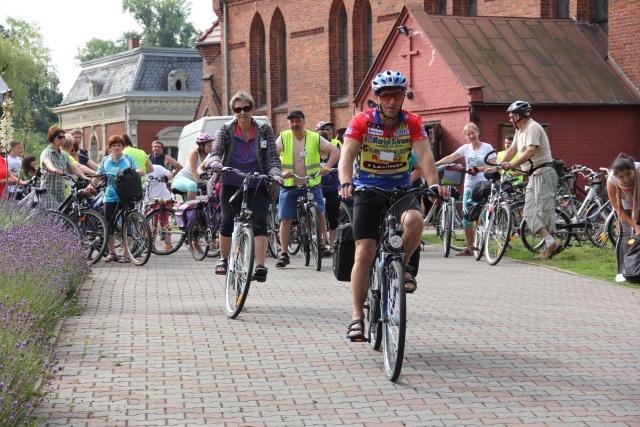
{"points": [[213, 35]]}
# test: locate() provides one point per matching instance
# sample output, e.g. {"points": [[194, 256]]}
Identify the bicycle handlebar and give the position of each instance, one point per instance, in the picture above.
{"points": [[402, 190], [497, 165]]}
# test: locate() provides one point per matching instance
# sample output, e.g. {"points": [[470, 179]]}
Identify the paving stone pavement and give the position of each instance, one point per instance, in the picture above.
{"points": [[510, 344]]}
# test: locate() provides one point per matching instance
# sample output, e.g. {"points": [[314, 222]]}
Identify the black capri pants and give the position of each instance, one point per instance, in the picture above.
{"points": [[110, 209], [258, 204], [367, 209], [332, 208]]}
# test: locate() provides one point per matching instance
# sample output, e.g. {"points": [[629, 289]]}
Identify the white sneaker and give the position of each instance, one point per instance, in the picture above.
{"points": [[620, 278]]}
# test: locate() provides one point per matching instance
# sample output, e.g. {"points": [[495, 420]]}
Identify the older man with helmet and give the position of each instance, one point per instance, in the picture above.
{"points": [[382, 136], [531, 142]]}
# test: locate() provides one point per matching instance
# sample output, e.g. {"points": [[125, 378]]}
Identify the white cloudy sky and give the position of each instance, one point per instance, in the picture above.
{"points": [[66, 25]]}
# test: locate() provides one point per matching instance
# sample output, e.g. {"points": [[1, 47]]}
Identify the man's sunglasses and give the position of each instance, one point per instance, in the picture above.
{"points": [[386, 97], [246, 109]]}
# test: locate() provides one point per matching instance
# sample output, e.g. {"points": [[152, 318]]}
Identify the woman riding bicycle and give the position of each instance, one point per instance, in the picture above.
{"points": [[186, 179], [474, 153], [249, 146], [110, 166]]}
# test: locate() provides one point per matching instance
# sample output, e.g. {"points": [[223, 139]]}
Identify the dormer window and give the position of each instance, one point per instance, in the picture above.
{"points": [[95, 86], [178, 80]]}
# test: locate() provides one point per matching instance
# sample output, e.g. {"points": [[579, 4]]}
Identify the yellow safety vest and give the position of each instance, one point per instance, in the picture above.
{"points": [[311, 160]]}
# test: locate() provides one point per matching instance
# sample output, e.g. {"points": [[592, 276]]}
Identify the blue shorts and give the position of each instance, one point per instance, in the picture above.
{"points": [[288, 197]]}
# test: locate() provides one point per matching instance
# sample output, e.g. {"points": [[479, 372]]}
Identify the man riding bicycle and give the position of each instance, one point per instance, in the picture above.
{"points": [[380, 141]]}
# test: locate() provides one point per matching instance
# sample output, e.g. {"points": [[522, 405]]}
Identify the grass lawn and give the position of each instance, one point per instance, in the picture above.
{"points": [[584, 260]]}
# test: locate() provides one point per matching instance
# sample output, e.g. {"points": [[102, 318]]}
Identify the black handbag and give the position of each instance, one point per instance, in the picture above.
{"points": [[128, 186], [631, 266]]}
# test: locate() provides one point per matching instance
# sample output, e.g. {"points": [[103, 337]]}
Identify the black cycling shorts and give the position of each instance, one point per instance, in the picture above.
{"points": [[367, 209]]}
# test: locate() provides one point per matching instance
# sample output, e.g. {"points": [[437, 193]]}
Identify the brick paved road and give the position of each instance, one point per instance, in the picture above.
{"points": [[511, 344]]}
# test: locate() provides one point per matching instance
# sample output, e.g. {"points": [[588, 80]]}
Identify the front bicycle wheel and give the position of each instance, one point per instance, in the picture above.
{"points": [[446, 221], [479, 234], [313, 228], [95, 232], [372, 305], [295, 239], [166, 236], [394, 319], [240, 272], [199, 239], [273, 238], [498, 235], [137, 238], [534, 243]]}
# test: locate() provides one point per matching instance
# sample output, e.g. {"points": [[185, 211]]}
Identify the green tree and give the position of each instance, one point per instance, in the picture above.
{"points": [[24, 63], [25, 67], [164, 24]]}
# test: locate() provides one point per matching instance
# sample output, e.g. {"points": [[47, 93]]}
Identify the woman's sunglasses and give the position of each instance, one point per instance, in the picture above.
{"points": [[246, 109], [59, 136]]}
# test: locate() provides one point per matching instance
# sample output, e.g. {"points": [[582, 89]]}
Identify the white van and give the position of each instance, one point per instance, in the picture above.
{"points": [[210, 125]]}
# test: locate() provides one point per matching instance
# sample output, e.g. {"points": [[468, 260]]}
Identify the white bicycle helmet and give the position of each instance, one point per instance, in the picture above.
{"points": [[388, 79]]}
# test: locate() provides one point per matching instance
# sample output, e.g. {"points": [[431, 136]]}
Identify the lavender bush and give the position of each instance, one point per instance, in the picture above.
{"points": [[40, 271]]}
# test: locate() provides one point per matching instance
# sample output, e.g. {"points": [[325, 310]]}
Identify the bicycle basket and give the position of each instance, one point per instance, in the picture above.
{"points": [[128, 186], [451, 177]]}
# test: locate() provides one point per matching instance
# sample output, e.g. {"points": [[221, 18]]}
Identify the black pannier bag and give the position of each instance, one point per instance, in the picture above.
{"points": [[472, 211], [128, 186], [631, 265], [481, 191], [345, 253]]}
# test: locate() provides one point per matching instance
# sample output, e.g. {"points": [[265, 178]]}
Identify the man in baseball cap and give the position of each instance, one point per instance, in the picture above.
{"points": [[295, 113]]}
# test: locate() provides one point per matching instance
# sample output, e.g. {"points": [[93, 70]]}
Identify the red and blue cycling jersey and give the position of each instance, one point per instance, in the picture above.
{"points": [[383, 160]]}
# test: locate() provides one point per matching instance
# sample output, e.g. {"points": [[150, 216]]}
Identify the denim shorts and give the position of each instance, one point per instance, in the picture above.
{"points": [[288, 197]]}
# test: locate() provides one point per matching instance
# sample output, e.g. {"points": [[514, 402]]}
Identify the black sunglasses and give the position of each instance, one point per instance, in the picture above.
{"points": [[246, 109], [59, 136]]}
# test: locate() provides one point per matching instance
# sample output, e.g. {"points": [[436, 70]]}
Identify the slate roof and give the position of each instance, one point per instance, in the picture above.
{"points": [[141, 70], [543, 61]]}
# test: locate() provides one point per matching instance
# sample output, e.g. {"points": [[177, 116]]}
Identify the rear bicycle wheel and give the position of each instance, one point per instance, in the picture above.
{"points": [[613, 228], [313, 227], [394, 320], [596, 228], [479, 234], [239, 273], [497, 235], [534, 243], [137, 238], [95, 232], [273, 238], [458, 238], [199, 239], [345, 214], [166, 236]]}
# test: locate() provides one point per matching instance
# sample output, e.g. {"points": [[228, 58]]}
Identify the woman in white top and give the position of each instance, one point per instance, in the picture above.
{"points": [[623, 189], [474, 153]]}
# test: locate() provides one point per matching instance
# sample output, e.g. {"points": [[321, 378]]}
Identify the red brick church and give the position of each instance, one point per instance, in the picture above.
{"points": [[466, 60]]}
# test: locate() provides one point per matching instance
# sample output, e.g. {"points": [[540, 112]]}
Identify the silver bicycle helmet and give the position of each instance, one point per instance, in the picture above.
{"points": [[388, 79], [520, 107]]}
